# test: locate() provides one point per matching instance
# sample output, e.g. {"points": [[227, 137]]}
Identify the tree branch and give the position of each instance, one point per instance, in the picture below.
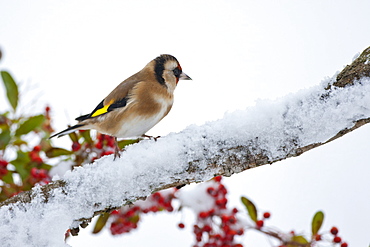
{"points": [[269, 132]]}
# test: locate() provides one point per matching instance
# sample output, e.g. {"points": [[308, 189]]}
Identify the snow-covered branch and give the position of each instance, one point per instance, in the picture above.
{"points": [[268, 132]]}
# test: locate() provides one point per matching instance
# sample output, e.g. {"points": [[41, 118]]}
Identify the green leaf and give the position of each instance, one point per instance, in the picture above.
{"points": [[123, 143], [30, 124], [298, 239], [73, 137], [317, 221], [100, 223], [11, 89], [55, 152], [20, 164], [8, 178], [86, 135], [45, 166], [5, 138], [19, 142], [135, 218], [252, 210]]}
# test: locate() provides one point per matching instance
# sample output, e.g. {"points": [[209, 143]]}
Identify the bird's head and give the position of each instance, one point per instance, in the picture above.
{"points": [[168, 71]]}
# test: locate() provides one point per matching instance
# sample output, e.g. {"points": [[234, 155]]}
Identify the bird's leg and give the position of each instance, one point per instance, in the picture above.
{"points": [[151, 137], [116, 149]]}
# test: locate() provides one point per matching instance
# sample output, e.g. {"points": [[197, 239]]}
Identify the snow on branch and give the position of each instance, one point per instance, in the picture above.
{"points": [[268, 132]]}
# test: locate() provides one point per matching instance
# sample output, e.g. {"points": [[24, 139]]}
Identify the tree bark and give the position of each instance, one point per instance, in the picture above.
{"points": [[227, 161]]}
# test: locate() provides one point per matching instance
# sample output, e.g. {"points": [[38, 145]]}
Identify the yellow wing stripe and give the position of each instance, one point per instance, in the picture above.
{"points": [[100, 111]]}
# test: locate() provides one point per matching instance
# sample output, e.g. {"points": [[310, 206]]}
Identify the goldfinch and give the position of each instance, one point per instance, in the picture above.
{"points": [[137, 104]]}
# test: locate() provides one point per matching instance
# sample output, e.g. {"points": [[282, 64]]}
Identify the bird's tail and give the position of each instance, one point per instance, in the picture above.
{"points": [[67, 131]]}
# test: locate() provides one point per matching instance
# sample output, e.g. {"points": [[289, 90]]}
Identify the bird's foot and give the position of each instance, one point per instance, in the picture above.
{"points": [[151, 137], [116, 149]]}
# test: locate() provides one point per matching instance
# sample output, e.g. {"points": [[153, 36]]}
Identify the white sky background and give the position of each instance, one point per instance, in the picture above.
{"points": [[72, 54]]}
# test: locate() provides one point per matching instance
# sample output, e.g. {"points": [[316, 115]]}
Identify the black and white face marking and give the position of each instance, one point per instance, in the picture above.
{"points": [[161, 63], [170, 64]]}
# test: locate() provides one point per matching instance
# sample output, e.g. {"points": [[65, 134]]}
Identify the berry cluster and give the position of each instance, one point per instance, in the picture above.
{"points": [[38, 175], [104, 146], [104, 140], [127, 218], [335, 238], [35, 155], [217, 226], [260, 223], [47, 123], [87, 149], [28, 167]]}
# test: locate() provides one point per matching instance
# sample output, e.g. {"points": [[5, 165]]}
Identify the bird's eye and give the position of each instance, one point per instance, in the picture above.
{"points": [[177, 72]]}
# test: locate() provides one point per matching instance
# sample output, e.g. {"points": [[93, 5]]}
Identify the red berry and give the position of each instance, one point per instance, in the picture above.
{"points": [[334, 230], [217, 236], [266, 215], [43, 173], [198, 237], [106, 153], [196, 229], [211, 212], [203, 215], [99, 145], [232, 219], [181, 225], [207, 228], [222, 189], [154, 209], [111, 142], [235, 210], [221, 202], [38, 159], [100, 137], [169, 208], [224, 218], [39, 173], [344, 244], [218, 179], [76, 146], [135, 208], [229, 237], [211, 191], [115, 212], [37, 148], [35, 172], [47, 109], [259, 223], [226, 228], [240, 232], [156, 196], [35, 157], [3, 163], [318, 237], [337, 239], [129, 213]]}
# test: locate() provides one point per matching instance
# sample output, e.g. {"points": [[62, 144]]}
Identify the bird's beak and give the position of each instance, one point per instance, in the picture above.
{"points": [[184, 76]]}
